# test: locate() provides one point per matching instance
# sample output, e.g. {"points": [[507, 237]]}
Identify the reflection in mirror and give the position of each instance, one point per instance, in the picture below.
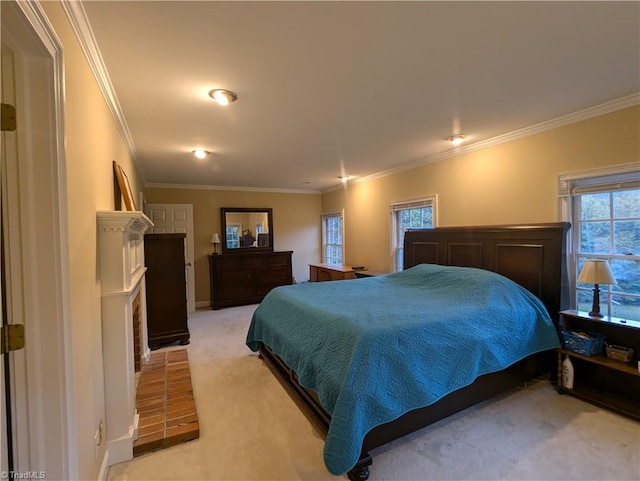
{"points": [[246, 228]]}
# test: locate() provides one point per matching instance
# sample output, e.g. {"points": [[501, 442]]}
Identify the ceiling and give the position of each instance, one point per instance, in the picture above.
{"points": [[357, 88]]}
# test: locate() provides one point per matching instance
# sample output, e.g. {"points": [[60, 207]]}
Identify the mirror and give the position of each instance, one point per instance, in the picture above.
{"points": [[245, 228]]}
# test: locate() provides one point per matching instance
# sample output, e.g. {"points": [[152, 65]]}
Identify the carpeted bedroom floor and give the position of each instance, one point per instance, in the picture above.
{"points": [[251, 430]]}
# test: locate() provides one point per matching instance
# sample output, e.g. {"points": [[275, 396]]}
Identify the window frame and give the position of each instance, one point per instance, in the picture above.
{"points": [[394, 209], [325, 217], [570, 187]]}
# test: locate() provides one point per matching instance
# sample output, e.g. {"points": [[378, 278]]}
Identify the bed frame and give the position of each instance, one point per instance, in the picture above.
{"points": [[534, 256]]}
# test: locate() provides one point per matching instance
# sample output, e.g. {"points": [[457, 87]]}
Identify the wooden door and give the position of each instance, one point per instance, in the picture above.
{"points": [[177, 219]]}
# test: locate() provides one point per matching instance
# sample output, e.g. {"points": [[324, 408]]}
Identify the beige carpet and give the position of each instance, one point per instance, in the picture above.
{"points": [[251, 430]]}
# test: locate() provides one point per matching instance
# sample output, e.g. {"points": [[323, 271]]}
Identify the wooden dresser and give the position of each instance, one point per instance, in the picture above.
{"points": [[166, 289], [245, 278]]}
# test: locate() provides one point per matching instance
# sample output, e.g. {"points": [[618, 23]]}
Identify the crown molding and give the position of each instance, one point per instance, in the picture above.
{"points": [[82, 28], [585, 114], [231, 188]]}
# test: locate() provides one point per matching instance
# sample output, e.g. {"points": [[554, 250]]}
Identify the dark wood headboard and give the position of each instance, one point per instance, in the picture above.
{"points": [[532, 255]]}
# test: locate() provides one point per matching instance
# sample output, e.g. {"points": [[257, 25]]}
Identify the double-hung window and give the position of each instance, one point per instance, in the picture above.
{"points": [[333, 237], [409, 215], [604, 210]]}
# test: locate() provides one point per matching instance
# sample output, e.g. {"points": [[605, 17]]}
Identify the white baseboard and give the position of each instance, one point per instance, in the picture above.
{"points": [[121, 449]]}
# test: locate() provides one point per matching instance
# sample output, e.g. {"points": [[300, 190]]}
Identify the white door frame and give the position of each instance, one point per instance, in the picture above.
{"points": [[37, 255]]}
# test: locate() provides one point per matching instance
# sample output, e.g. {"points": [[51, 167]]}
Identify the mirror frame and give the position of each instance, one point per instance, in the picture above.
{"points": [[244, 250]]}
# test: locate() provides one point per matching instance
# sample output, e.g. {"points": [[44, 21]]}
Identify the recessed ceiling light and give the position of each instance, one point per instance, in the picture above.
{"points": [[200, 153], [343, 178], [457, 139], [222, 96]]}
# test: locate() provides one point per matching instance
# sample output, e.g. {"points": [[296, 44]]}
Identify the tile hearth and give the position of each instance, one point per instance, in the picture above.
{"points": [[165, 403]]}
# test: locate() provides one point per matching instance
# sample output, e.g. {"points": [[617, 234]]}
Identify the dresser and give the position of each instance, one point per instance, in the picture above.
{"points": [[245, 278], [166, 289]]}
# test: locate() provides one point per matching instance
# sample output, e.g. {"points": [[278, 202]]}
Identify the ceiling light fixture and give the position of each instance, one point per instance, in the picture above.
{"points": [[343, 178], [222, 96], [200, 153], [457, 139]]}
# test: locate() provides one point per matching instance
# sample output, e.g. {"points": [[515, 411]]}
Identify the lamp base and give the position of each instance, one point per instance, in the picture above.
{"points": [[595, 307]]}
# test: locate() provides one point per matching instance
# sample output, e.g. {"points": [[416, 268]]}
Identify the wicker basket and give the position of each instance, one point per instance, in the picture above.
{"points": [[583, 342], [619, 353]]}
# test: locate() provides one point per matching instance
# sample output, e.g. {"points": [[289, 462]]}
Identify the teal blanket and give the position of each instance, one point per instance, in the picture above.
{"points": [[375, 348]]}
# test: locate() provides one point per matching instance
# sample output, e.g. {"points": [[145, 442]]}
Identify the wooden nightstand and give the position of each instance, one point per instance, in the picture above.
{"points": [[598, 379]]}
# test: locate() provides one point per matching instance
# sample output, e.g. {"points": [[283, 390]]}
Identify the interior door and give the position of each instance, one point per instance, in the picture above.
{"points": [[177, 218]]}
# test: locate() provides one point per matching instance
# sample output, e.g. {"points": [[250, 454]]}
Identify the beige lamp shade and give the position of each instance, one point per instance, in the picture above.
{"points": [[215, 238], [596, 271]]}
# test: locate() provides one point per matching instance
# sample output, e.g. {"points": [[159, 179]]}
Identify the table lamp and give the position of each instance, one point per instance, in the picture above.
{"points": [[215, 240], [596, 272]]}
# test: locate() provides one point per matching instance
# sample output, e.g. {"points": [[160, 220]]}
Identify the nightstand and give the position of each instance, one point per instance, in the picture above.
{"points": [[599, 379]]}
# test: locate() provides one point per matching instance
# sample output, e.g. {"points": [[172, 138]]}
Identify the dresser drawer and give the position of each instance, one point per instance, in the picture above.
{"points": [[235, 277], [254, 261], [228, 263], [279, 260], [279, 274]]}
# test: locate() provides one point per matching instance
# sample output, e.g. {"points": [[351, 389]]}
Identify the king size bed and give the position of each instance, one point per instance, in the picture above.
{"points": [[369, 360]]}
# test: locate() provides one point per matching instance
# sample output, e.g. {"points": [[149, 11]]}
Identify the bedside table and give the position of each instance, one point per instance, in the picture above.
{"points": [[599, 379]]}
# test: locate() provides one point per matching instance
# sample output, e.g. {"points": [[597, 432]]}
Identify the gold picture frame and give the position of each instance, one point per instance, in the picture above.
{"points": [[125, 187]]}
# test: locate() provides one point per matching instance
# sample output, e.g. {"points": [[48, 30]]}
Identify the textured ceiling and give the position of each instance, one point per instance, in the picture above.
{"points": [[327, 88]]}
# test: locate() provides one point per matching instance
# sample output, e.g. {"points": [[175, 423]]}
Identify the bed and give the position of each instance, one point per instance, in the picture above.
{"points": [[373, 359]]}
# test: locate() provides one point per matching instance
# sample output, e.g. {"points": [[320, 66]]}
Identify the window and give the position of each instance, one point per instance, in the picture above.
{"points": [[233, 236], [604, 211], [409, 215], [332, 237]]}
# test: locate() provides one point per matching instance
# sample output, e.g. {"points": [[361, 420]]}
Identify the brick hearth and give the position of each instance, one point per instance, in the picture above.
{"points": [[165, 403]]}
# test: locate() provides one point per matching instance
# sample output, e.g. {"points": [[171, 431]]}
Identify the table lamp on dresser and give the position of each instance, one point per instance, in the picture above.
{"points": [[215, 240]]}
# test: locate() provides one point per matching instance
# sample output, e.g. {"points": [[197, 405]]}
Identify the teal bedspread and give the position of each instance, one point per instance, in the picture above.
{"points": [[375, 348]]}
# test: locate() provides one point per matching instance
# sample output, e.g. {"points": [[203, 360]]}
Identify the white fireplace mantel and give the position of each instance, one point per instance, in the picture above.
{"points": [[122, 278]]}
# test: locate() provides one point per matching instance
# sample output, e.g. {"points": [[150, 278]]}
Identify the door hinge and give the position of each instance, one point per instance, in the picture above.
{"points": [[8, 122], [12, 338]]}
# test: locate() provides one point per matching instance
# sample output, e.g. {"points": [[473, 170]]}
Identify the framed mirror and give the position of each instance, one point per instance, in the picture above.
{"points": [[246, 228]]}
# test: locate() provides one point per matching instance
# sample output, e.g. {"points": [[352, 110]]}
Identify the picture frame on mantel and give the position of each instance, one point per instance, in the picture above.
{"points": [[125, 187]]}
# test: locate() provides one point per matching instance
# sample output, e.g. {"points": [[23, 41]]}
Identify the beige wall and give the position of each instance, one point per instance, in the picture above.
{"points": [[296, 224], [92, 143], [507, 184]]}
